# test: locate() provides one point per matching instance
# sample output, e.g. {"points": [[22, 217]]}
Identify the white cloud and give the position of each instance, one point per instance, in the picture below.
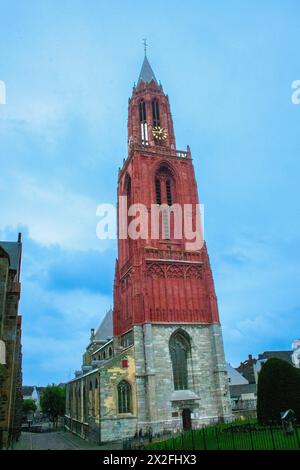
{"points": [[53, 214]]}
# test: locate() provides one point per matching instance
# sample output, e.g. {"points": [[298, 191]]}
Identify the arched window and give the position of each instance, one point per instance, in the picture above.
{"points": [[78, 407], [84, 403], [110, 352], [143, 122], [96, 399], [165, 194], [155, 113], [158, 191], [179, 351], [164, 186], [124, 397], [91, 400], [142, 109], [127, 186], [127, 244], [169, 192]]}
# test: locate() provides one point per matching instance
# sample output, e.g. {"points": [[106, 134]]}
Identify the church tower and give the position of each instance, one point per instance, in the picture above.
{"points": [[164, 297]]}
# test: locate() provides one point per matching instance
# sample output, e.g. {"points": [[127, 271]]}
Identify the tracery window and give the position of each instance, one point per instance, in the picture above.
{"points": [[158, 191], [165, 194], [124, 397], [169, 192], [179, 351]]}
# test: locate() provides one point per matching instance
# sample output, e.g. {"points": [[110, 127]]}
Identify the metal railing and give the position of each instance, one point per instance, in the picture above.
{"points": [[250, 436], [166, 151]]}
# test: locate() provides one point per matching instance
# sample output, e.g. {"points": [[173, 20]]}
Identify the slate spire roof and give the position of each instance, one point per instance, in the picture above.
{"points": [[105, 329], [146, 74]]}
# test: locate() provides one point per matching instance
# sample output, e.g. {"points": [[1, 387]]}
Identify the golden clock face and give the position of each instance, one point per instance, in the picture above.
{"points": [[159, 133]]}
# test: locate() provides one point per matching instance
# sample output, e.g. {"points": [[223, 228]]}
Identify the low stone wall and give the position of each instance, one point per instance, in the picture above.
{"points": [[107, 430]]}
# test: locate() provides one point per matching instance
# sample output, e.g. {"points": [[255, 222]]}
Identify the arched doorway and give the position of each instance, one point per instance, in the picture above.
{"points": [[186, 419]]}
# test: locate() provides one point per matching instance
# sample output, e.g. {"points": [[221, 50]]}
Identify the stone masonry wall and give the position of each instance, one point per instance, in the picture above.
{"points": [[206, 370]]}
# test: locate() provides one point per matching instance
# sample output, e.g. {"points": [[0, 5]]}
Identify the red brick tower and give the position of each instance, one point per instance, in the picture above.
{"points": [[159, 280]]}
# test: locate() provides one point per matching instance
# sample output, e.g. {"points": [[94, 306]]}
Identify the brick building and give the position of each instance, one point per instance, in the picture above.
{"points": [[164, 367], [10, 337]]}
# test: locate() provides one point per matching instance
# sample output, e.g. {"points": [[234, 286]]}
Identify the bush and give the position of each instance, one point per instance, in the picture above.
{"points": [[278, 390]]}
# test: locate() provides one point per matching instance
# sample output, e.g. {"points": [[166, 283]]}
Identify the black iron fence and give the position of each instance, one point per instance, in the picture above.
{"points": [[248, 436]]}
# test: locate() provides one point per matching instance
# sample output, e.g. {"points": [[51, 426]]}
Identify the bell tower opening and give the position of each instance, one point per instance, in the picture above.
{"points": [[155, 113], [143, 122]]}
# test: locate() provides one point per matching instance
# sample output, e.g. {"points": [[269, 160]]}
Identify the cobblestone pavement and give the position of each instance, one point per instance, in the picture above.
{"points": [[61, 440]]}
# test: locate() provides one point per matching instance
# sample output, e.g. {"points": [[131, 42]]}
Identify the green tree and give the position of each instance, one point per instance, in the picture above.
{"points": [[53, 402], [278, 390], [29, 405]]}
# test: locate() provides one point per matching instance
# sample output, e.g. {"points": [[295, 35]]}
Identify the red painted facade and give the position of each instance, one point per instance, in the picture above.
{"points": [[159, 280]]}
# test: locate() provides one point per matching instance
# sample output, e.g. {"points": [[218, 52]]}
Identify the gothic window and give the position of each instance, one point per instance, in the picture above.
{"points": [[78, 402], [158, 191], [96, 399], [179, 351], [124, 397], [91, 399], [169, 192], [164, 186], [165, 190], [128, 193], [84, 403], [155, 113], [128, 189], [142, 108], [143, 122]]}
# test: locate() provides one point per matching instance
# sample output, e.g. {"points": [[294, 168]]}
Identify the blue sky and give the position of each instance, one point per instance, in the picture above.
{"points": [[69, 67]]}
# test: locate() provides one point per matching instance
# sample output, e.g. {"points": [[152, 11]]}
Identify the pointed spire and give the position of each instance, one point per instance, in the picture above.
{"points": [[146, 74]]}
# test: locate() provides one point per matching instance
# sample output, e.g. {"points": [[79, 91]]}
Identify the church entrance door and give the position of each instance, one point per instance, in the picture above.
{"points": [[186, 419]]}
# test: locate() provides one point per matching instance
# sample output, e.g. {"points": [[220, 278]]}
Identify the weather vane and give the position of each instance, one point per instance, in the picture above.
{"points": [[145, 45]]}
